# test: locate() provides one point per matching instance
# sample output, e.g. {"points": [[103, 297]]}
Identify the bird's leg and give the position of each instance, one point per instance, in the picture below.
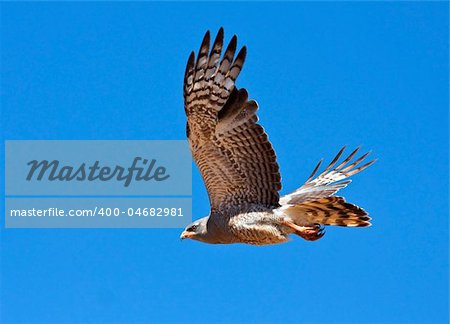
{"points": [[309, 233]]}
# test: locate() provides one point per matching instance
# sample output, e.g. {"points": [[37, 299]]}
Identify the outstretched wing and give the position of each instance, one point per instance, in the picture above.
{"points": [[329, 181], [235, 158]]}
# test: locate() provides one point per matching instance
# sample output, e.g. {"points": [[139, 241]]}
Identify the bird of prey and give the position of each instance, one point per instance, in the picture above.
{"points": [[239, 166]]}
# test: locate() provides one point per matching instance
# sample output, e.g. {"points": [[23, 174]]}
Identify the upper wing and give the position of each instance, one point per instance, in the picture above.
{"points": [[232, 151], [329, 181]]}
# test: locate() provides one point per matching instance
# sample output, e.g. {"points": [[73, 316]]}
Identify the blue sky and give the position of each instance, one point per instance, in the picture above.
{"points": [[324, 74]]}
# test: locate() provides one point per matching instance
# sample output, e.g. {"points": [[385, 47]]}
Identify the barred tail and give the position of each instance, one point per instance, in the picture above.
{"points": [[327, 211]]}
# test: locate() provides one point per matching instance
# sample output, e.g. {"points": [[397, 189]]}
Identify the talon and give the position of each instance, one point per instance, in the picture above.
{"points": [[310, 233]]}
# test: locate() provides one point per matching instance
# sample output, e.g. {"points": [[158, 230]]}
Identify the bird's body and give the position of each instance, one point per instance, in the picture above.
{"points": [[238, 163], [251, 224]]}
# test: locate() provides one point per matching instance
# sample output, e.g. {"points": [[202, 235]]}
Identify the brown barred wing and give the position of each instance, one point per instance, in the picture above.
{"points": [[235, 158]]}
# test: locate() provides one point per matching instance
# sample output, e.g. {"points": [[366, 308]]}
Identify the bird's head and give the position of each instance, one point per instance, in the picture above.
{"points": [[196, 230]]}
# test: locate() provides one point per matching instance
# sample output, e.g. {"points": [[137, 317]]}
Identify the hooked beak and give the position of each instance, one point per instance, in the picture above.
{"points": [[186, 235]]}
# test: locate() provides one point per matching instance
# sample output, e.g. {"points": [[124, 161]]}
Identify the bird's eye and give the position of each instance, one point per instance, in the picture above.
{"points": [[192, 228]]}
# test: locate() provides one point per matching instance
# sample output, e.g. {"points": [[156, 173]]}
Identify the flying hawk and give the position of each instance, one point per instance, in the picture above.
{"points": [[239, 166]]}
